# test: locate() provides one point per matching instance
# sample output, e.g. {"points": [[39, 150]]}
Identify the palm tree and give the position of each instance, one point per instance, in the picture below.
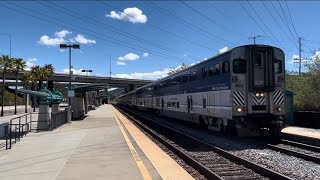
{"points": [[35, 71], [28, 78], [5, 64], [49, 72], [18, 66]]}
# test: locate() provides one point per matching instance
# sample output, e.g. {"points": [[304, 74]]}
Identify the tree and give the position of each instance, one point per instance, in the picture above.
{"points": [[42, 73], [5, 64], [18, 65], [49, 72], [28, 78], [35, 71], [173, 70]]}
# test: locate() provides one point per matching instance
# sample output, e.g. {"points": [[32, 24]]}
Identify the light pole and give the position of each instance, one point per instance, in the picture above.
{"points": [[74, 46], [86, 70], [3, 80]]}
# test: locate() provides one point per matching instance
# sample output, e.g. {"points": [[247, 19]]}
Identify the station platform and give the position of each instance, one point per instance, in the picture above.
{"points": [[300, 131], [104, 145]]}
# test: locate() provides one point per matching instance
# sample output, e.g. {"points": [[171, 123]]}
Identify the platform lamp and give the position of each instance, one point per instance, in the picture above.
{"points": [[86, 70], [65, 46]]}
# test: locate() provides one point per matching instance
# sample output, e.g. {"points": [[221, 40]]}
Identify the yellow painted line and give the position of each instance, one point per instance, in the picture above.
{"points": [[143, 170]]}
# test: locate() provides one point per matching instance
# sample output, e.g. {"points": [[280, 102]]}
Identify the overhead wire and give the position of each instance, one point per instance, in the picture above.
{"points": [[279, 24], [292, 23], [265, 24], [114, 41], [254, 20], [186, 23], [284, 22], [210, 19], [159, 28], [110, 28]]}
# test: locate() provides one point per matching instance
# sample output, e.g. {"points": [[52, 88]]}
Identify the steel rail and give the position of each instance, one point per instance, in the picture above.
{"points": [[188, 159], [251, 165], [301, 145], [295, 153]]}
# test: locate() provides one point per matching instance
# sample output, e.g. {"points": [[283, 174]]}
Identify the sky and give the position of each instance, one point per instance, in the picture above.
{"points": [[143, 39]]}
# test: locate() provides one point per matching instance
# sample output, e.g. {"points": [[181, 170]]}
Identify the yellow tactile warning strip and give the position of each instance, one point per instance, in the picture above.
{"points": [[163, 163], [144, 172], [302, 132]]}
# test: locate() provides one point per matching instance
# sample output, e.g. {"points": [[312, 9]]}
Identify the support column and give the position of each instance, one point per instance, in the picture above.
{"points": [[85, 103], [77, 107], [44, 116]]}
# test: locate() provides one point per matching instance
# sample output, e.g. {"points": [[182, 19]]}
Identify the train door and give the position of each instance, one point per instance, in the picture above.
{"points": [[189, 107], [162, 106], [262, 79]]}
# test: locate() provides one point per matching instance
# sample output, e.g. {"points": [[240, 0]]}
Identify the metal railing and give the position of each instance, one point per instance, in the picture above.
{"points": [[58, 119], [16, 129], [20, 126]]}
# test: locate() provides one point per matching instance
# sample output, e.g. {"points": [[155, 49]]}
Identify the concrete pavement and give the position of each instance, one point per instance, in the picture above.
{"points": [[93, 148]]}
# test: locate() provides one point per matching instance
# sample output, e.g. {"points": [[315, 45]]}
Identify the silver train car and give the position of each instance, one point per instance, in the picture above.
{"points": [[241, 90]]}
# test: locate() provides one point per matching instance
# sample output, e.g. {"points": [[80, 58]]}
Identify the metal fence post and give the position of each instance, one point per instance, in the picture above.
{"points": [[19, 128]]}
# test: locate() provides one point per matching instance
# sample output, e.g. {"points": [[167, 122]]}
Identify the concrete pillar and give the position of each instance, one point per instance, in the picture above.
{"points": [[44, 116], [85, 103], [50, 85], [77, 107], [55, 108]]}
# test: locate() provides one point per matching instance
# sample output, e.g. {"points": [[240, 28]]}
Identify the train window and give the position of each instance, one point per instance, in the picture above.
{"points": [[204, 103], [168, 104], [278, 66], [193, 76], [204, 72], [185, 78], [177, 105], [210, 70], [225, 67], [158, 101], [216, 69], [174, 105], [257, 60], [178, 80], [239, 66]]}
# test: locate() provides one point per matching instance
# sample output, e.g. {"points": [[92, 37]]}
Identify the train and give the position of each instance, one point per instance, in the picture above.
{"points": [[241, 90]]}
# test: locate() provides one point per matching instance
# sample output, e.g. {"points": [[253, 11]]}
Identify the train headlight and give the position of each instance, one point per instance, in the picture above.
{"points": [[257, 94], [279, 109], [239, 109], [261, 94]]}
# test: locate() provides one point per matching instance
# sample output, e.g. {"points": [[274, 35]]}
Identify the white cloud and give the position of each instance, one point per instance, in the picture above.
{"points": [[30, 63], [62, 34], [129, 57], [148, 75], [223, 50], [58, 39], [145, 54], [81, 39], [46, 40], [134, 15], [121, 63]]}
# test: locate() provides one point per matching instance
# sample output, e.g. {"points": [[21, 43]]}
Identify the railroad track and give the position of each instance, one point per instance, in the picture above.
{"points": [[209, 160], [300, 150]]}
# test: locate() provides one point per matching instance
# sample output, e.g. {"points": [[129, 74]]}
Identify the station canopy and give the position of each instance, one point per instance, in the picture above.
{"points": [[89, 87]]}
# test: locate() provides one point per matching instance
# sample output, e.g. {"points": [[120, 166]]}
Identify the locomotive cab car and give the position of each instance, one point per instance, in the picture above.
{"points": [[240, 90]]}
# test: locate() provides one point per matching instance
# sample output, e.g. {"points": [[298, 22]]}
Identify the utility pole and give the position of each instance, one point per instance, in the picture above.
{"points": [[299, 56], [110, 67]]}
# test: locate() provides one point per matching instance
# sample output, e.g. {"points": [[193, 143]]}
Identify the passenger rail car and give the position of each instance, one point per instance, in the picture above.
{"points": [[242, 89]]}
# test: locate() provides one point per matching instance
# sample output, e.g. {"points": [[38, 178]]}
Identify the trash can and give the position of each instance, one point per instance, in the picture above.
{"points": [[289, 108]]}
